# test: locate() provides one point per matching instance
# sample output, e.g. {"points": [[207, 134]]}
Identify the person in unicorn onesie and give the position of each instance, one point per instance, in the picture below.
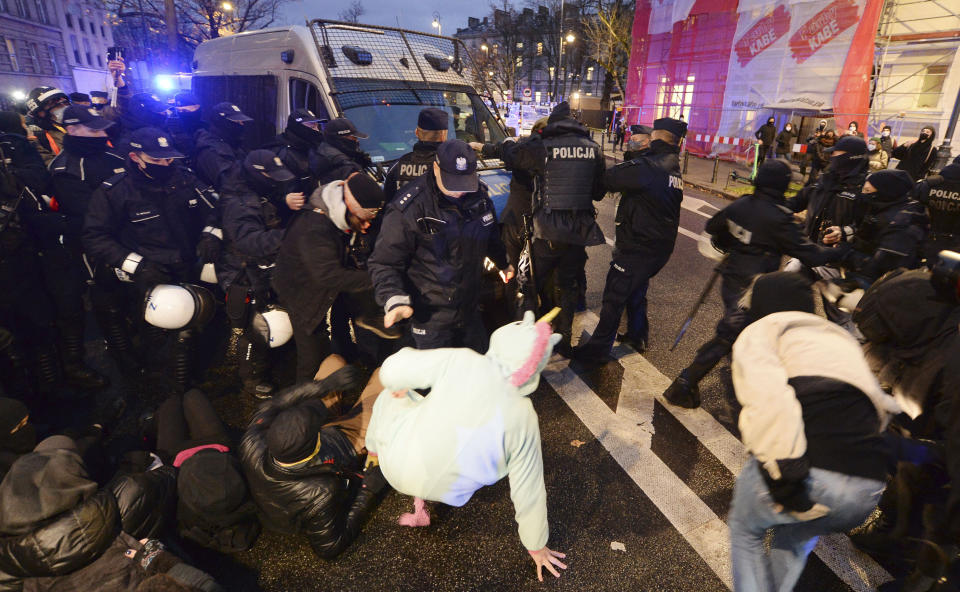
{"points": [[475, 427]]}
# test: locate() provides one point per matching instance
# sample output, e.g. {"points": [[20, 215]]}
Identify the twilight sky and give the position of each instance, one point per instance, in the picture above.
{"points": [[412, 14]]}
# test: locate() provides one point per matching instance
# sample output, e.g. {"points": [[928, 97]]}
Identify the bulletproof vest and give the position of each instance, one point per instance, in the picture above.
{"points": [[413, 165], [568, 176], [944, 207]]}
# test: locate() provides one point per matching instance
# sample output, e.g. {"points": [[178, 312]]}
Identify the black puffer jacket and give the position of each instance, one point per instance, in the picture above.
{"points": [[297, 153], [889, 237], [51, 539], [833, 199], [215, 157], [323, 499], [918, 156], [336, 159]]}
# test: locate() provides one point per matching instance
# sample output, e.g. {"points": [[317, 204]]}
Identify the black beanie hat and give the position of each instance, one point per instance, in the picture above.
{"points": [[366, 191], [561, 111], [891, 184], [293, 435], [12, 413], [210, 482], [11, 123], [780, 291], [773, 174]]}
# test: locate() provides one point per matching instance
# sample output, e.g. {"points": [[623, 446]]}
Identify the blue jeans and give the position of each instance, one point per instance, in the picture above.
{"points": [[850, 499]]}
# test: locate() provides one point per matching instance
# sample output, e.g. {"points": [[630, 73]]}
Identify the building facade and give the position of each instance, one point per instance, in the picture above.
{"points": [[726, 66], [86, 36]]}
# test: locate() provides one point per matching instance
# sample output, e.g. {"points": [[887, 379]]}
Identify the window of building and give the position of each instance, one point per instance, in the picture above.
{"points": [[539, 48], [3, 6], [41, 8], [536, 96], [590, 74], [80, 23], [551, 70], [675, 100], [495, 49], [21, 7], [519, 44], [519, 61], [86, 51], [76, 49], [93, 29], [52, 56], [103, 32], [99, 60], [33, 58], [69, 20], [12, 52], [931, 87]]}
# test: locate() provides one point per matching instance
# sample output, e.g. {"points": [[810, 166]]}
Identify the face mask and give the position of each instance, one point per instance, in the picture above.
{"points": [[872, 146], [788, 128], [191, 119], [229, 131], [85, 146], [98, 106], [157, 172], [852, 128], [56, 114], [770, 122], [924, 135], [885, 134]]}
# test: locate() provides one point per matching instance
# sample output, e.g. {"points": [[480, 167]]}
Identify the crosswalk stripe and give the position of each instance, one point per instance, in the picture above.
{"points": [[702, 529], [856, 569]]}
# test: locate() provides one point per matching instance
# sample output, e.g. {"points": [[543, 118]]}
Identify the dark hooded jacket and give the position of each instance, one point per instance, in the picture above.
{"points": [[785, 140], [215, 156], [320, 499], [889, 236], [766, 134], [337, 158], [54, 521], [834, 199], [297, 148], [917, 157]]}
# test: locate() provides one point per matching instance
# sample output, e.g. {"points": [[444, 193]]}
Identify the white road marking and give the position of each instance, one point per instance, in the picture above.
{"points": [[693, 204], [856, 569], [681, 230]]}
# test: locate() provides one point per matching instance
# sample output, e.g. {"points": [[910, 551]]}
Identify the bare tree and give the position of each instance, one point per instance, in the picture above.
{"points": [[607, 27], [352, 13], [498, 65]]}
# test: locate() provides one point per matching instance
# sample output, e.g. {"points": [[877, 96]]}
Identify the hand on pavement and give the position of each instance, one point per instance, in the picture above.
{"points": [[546, 557], [295, 201], [397, 314]]}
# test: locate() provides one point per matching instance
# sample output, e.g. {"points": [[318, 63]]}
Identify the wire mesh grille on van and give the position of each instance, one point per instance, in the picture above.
{"points": [[385, 53]]}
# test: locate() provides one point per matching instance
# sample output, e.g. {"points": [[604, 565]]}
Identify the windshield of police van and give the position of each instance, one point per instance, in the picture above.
{"points": [[389, 117]]}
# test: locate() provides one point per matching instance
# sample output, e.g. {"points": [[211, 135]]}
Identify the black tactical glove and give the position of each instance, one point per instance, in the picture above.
{"points": [[373, 480], [790, 490], [208, 249], [149, 275]]}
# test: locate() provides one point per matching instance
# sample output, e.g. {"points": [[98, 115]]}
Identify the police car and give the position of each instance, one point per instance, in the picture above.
{"points": [[378, 77]]}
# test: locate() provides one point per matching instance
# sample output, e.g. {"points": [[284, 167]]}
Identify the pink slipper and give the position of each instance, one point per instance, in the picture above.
{"points": [[419, 517]]}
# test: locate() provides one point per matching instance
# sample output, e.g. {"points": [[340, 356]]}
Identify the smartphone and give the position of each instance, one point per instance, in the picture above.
{"points": [[114, 53]]}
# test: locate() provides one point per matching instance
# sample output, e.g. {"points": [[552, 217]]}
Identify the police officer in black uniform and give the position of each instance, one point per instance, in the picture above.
{"points": [[567, 167], [85, 162], [219, 147], [639, 142], [941, 194], [253, 212], [432, 126], [297, 148], [139, 111], [184, 125], [428, 260], [143, 226], [892, 233], [340, 154], [756, 231], [647, 221]]}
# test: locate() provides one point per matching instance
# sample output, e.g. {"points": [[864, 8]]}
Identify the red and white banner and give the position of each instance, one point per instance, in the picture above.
{"points": [[763, 34], [824, 27]]}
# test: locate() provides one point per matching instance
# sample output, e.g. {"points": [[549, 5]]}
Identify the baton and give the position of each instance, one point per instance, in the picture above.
{"points": [[697, 305]]}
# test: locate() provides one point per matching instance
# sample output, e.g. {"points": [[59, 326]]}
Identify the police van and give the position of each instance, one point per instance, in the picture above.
{"points": [[378, 77]]}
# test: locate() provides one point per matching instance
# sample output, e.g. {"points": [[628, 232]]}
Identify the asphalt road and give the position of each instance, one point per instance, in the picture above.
{"points": [[638, 491]]}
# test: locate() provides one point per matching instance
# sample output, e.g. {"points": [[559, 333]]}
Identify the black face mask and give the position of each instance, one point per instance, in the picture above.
{"points": [[158, 172], [229, 131], [98, 106], [84, 146], [309, 135], [191, 119]]}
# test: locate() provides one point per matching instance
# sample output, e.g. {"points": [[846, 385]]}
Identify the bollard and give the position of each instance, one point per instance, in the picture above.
{"points": [[686, 157], [716, 167]]}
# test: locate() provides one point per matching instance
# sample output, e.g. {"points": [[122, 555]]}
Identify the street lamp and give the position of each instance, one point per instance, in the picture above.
{"points": [[484, 47], [227, 6], [571, 38], [19, 95], [436, 23]]}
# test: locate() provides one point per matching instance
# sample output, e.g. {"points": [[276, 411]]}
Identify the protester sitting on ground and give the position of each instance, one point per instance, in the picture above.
{"points": [[812, 417], [214, 508], [474, 428], [304, 460], [60, 531]]}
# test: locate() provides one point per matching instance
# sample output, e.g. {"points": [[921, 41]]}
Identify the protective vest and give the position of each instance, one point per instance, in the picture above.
{"points": [[568, 175], [412, 166], [943, 205]]}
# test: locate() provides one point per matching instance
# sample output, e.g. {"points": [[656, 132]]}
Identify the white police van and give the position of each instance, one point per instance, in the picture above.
{"points": [[378, 77]]}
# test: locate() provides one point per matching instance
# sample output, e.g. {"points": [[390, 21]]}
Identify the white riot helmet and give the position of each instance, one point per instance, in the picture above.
{"points": [[273, 324], [170, 306]]}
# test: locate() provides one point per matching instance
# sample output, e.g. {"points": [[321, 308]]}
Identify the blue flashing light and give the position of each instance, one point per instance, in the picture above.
{"points": [[165, 82]]}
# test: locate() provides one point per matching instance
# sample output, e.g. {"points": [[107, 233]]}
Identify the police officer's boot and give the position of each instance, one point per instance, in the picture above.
{"points": [[119, 346], [685, 390], [14, 368], [252, 368], [76, 373], [182, 354], [48, 371]]}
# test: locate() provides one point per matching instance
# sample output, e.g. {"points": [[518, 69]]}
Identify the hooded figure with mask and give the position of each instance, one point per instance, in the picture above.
{"points": [[254, 211], [313, 269], [340, 154], [785, 140], [476, 427], [45, 107], [143, 226], [765, 135], [219, 147], [185, 124], [917, 157], [892, 231], [297, 147], [139, 111]]}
